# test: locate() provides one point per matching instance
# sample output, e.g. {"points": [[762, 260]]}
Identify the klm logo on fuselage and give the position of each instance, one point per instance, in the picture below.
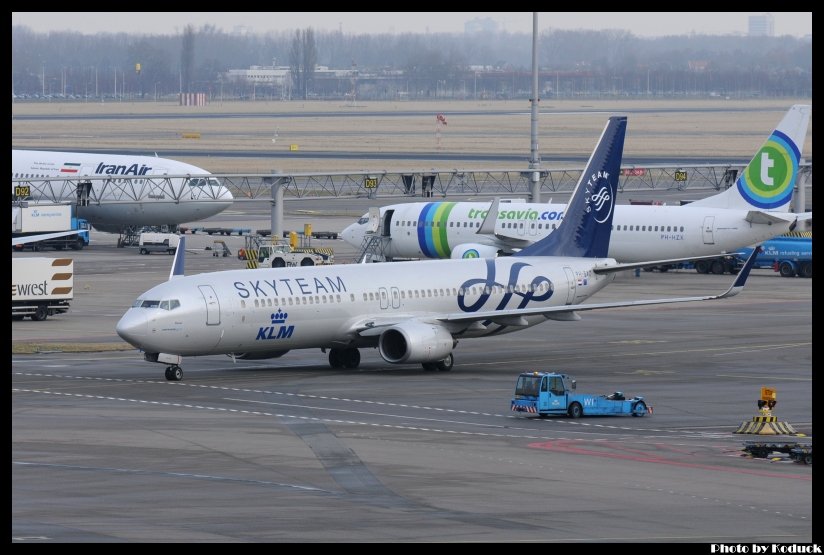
{"points": [[278, 329], [114, 169]]}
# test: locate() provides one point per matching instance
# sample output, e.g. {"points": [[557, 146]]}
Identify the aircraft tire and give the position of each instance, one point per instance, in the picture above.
{"points": [[335, 358], [351, 358], [429, 366], [446, 364]]}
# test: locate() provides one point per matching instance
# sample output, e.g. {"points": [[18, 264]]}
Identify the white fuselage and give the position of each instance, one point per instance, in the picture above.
{"points": [[267, 310], [124, 191], [640, 232]]}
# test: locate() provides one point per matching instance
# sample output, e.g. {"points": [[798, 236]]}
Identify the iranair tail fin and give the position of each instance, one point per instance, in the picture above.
{"points": [[768, 180], [587, 225]]}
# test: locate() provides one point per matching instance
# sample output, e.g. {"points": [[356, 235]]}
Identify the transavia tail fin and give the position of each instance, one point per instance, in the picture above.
{"points": [[177, 265], [587, 224], [768, 180]]}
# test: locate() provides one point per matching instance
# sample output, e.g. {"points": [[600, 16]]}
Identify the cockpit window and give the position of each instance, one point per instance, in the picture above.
{"points": [[363, 220], [163, 305]]}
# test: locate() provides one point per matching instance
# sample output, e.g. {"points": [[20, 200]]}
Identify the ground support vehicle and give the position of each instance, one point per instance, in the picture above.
{"points": [[545, 393], [41, 287]]}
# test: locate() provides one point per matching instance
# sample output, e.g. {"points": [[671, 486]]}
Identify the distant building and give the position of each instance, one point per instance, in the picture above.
{"points": [[482, 25], [762, 25]]}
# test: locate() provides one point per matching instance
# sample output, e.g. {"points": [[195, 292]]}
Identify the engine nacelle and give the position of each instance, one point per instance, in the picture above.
{"points": [[415, 342], [474, 250], [262, 355]]}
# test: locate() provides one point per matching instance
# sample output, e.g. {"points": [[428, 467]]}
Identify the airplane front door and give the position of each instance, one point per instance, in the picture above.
{"points": [[212, 305]]}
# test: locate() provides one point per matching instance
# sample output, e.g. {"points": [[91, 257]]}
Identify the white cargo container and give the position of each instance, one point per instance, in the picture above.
{"points": [[41, 218], [41, 287]]}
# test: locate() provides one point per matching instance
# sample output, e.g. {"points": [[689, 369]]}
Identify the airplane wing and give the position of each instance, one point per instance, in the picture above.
{"points": [[647, 263], [516, 316], [42, 237]]}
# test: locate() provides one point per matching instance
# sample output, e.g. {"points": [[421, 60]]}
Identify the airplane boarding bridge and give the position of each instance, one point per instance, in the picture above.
{"points": [[424, 183]]}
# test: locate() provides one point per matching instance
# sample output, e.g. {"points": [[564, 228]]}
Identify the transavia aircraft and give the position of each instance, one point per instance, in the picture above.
{"points": [[754, 210], [118, 191], [413, 312]]}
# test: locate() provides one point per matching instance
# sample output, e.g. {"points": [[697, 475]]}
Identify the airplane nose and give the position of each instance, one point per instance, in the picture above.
{"points": [[352, 234], [133, 327]]}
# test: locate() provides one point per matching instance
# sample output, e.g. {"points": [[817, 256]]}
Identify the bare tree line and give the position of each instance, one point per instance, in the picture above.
{"points": [[479, 65]]}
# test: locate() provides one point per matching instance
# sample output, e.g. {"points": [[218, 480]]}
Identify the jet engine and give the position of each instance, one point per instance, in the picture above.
{"points": [[474, 250], [415, 342], [261, 355]]}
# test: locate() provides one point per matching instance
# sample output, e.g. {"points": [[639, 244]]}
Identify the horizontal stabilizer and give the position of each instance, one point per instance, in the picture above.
{"points": [[759, 217]]}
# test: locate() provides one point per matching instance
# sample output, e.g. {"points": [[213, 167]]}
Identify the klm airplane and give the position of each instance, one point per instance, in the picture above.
{"points": [[263, 313], [754, 210]]}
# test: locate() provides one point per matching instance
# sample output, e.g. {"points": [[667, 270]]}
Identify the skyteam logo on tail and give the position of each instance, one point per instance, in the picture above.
{"points": [[768, 180], [600, 201]]}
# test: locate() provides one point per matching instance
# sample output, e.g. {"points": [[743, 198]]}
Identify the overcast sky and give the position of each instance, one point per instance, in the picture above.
{"points": [[644, 24]]}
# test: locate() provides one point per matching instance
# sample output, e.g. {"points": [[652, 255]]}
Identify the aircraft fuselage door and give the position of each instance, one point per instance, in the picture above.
{"points": [[386, 228], [709, 223], [570, 275], [212, 305]]}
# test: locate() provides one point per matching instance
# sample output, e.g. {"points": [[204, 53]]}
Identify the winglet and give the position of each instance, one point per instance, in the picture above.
{"points": [[738, 285], [488, 225], [177, 265]]}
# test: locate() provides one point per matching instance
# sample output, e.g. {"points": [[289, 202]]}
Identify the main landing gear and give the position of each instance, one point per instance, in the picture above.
{"points": [[444, 365], [174, 373], [344, 358]]}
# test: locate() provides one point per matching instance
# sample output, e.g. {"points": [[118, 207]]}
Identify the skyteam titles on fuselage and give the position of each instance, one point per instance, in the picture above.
{"points": [[296, 286]]}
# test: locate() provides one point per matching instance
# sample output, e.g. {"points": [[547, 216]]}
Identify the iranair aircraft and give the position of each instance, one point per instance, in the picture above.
{"points": [[754, 210], [412, 312], [123, 190]]}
